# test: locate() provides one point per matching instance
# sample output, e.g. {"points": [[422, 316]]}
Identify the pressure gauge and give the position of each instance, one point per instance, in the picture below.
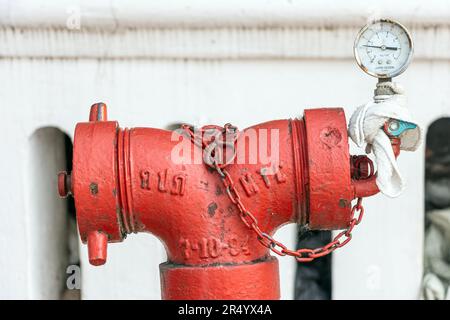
{"points": [[383, 48]]}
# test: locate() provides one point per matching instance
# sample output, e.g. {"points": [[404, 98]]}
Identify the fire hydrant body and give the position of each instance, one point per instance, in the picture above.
{"points": [[125, 181]]}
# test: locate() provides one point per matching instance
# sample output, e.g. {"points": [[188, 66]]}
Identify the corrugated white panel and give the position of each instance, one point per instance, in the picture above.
{"points": [[107, 14], [278, 42]]}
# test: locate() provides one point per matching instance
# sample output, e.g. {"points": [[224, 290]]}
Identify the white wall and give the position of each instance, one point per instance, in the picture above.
{"points": [[240, 63]]}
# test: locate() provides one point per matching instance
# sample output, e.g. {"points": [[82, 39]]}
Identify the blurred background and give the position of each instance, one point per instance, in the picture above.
{"points": [[156, 63]]}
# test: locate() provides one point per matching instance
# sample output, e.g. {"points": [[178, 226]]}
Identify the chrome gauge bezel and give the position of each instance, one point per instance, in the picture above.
{"points": [[383, 75]]}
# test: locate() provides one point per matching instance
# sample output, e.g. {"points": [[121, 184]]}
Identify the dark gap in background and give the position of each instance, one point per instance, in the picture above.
{"points": [[74, 258], [436, 279], [313, 279]]}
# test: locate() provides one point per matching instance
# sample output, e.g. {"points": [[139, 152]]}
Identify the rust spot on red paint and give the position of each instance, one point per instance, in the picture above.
{"points": [[204, 185], [212, 207], [219, 191], [343, 203], [230, 211], [93, 187], [331, 137]]}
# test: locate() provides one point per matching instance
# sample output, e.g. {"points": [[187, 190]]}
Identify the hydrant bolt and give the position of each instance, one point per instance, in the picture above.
{"points": [[98, 112], [64, 184]]}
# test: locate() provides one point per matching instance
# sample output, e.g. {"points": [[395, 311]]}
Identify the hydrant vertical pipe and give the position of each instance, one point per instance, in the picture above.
{"points": [[258, 280]]}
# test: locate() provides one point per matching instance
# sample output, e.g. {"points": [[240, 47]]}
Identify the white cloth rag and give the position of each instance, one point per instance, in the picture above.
{"points": [[366, 127]]}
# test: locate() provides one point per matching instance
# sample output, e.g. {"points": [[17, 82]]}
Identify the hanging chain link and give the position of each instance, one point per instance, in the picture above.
{"points": [[302, 255]]}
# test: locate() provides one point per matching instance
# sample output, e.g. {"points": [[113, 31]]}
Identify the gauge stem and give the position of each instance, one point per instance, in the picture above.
{"points": [[382, 92]]}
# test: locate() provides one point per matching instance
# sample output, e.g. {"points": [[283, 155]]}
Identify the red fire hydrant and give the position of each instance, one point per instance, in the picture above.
{"points": [[216, 221]]}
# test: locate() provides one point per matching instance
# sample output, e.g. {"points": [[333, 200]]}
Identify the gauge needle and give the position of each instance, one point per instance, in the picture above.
{"points": [[381, 47]]}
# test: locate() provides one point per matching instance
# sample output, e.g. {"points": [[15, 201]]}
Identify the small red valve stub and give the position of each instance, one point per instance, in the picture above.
{"points": [[97, 248], [64, 188]]}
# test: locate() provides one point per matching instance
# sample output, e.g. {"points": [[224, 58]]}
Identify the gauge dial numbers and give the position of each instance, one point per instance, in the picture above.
{"points": [[383, 48]]}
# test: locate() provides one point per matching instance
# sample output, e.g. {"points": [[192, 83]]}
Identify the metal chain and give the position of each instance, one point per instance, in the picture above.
{"points": [[302, 255]]}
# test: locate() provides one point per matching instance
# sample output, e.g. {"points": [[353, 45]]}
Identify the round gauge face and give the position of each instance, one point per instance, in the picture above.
{"points": [[383, 48]]}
